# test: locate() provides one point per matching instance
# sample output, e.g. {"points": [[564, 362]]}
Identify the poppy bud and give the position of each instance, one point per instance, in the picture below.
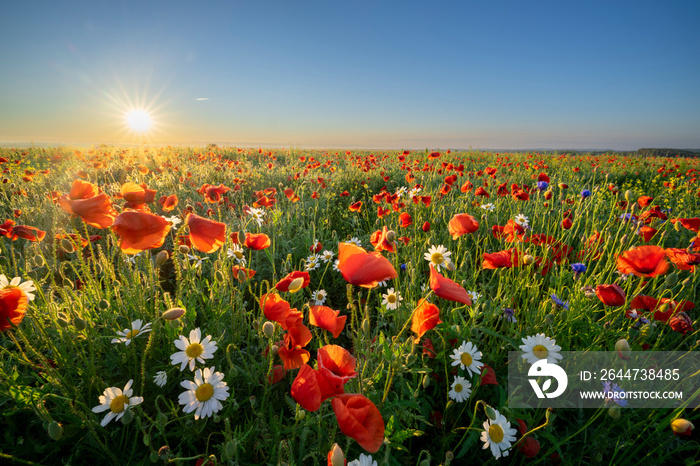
{"points": [[450, 266], [677, 226], [62, 322], [56, 431], [79, 324], [241, 237], [614, 412], [548, 194], [628, 195], [296, 284], [623, 348], [39, 260], [164, 452], [365, 325], [67, 245], [671, 279], [426, 381], [174, 313], [646, 331], [685, 282], [391, 235], [682, 427], [219, 276], [528, 259], [268, 329], [184, 249], [146, 440], [336, 456], [162, 419], [426, 227], [491, 413], [230, 449], [623, 240], [161, 258], [274, 349], [242, 276], [127, 417]]}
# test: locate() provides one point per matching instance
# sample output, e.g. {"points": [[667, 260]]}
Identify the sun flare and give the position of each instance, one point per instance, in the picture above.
{"points": [[138, 120]]}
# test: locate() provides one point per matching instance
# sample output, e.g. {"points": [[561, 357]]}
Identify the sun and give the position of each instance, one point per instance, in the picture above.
{"points": [[138, 120]]}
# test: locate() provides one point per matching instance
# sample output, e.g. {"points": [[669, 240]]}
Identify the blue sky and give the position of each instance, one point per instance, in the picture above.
{"points": [[587, 75]]}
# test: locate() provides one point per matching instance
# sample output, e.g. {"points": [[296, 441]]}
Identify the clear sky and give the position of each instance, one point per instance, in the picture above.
{"points": [[358, 74]]}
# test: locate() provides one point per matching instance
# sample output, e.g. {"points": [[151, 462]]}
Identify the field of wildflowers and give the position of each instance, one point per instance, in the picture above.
{"points": [[251, 306]]}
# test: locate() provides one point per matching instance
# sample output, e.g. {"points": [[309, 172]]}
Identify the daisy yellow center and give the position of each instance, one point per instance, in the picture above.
{"points": [[391, 298], [496, 433], [132, 333], [195, 350], [466, 359], [204, 392], [459, 388], [437, 258], [540, 351], [118, 403], [238, 254]]}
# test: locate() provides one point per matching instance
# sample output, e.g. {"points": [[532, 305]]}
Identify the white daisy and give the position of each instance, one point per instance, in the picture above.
{"points": [[499, 435], [461, 389], [117, 402], [391, 299], [196, 259], [327, 255], [401, 191], [205, 394], [468, 357], [540, 347], [131, 259], [237, 253], [355, 241], [17, 282], [319, 297], [335, 265], [257, 214], [439, 256], [193, 349], [474, 296], [363, 460], [522, 220], [413, 192], [174, 220], [161, 378], [126, 335], [488, 207], [313, 262]]}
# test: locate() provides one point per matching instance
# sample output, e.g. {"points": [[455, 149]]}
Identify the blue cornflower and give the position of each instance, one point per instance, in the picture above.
{"points": [[542, 185], [509, 314], [403, 267], [559, 302], [617, 392], [585, 193], [578, 267]]}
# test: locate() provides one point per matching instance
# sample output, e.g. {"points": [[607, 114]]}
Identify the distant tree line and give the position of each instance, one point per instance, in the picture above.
{"points": [[649, 152]]}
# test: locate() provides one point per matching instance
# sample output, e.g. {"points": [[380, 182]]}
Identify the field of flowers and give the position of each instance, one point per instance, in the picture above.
{"points": [[247, 306]]}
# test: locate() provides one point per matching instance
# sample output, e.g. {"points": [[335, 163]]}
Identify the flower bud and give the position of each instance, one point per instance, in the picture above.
{"points": [[230, 449], [628, 195], [79, 324], [241, 237], [449, 265], [219, 276], [391, 235], [491, 413], [274, 349], [682, 427], [39, 260], [646, 331], [623, 240], [622, 347], [146, 439], [300, 415], [67, 245], [127, 417], [242, 276], [677, 226], [173, 313], [614, 412], [365, 325], [336, 456], [528, 259], [164, 452], [671, 279], [162, 419], [56, 431], [161, 258], [184, 249], [268, 329], [296, 284]]}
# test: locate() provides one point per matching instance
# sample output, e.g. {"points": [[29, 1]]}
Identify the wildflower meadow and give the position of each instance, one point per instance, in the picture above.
{"points": [[251, 306]]}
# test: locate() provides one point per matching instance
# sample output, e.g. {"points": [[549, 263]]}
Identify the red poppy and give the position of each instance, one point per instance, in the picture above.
{"points": [[292, 351], [425, 317], [529, 447], [212, 194], [611, 295], [683, 259], [426, 227], [447, 289], [136, 195], [647, 233], [257, 241], [206, 235], [27, 232], [139, 231], [481, 192], [511, 231], [355, 206], [566, 224], [310, 388], [96, 211], [336, 364], [651, 304], [428, 348], [461, 224], [692, 224], [681, 323], [277, 375], [644, 261], [362, 268], [644, 201], [405, 219], [380, 241], [13, 306], [6, 228], [283, 285], [500, 259], [168, 202], [359, 419], [328, 319], [275, 308], [488, 375]]}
